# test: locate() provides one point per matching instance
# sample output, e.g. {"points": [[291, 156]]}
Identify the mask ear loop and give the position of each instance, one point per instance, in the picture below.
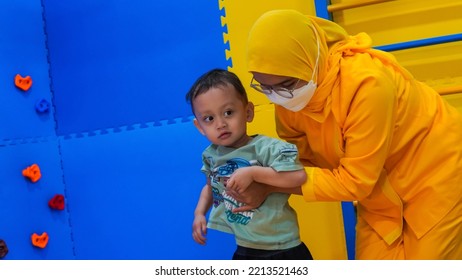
{"points": [[317, 58]]}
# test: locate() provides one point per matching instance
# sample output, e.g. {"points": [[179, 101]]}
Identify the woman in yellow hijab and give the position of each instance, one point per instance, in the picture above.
{"points": [[367, 131]]}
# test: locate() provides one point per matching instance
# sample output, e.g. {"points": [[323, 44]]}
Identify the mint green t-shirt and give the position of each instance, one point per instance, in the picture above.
{"points": [[272, 226]]}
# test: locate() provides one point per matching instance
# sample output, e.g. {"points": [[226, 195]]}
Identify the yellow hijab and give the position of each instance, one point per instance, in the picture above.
{"points": [[283, 42]]}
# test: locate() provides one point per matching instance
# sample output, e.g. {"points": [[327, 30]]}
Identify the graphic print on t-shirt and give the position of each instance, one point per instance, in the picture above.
{"points": [[219, 176]]}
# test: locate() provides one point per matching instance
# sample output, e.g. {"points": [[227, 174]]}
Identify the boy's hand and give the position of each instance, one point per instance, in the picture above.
{"points": [[240, 180], [199, 229]]}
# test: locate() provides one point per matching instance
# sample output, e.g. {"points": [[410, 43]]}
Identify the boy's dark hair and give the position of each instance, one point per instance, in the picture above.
{"points": [[213, 79]]}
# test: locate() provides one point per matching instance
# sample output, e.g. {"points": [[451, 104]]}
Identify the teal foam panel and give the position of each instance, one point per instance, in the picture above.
{"points": [[22, 51], [121, 62], [132, 193], [24, 205]]}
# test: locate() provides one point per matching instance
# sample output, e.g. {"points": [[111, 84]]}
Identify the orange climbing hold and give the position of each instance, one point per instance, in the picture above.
{"points": [[32, 172], [40, 241], [23, 83]]}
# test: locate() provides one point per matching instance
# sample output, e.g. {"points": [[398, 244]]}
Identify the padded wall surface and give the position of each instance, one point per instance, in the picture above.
{"points": [[27, 137], [22, 51], [133, 192], [24, 205], [123, 62]]}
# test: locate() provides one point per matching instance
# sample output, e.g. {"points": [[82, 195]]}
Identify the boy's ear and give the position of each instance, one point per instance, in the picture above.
{"points": [[196, 124], [250, 112]]}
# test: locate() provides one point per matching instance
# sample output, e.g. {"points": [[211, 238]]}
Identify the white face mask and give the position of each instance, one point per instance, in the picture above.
{"points": [[301, 96]]}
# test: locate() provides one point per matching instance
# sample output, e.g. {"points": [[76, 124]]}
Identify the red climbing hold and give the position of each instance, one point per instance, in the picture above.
{"points": [[3, 249], [57, 202]]}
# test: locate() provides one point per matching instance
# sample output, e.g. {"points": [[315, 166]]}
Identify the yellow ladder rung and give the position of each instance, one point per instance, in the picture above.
{"points": [[353, 4]]}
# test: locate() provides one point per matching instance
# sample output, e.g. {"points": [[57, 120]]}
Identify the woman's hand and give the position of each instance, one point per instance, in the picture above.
{"points": [[256, 194], [252, 197]]}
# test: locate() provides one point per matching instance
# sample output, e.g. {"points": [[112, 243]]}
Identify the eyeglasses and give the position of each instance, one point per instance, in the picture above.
{"points": [[281, 91]]}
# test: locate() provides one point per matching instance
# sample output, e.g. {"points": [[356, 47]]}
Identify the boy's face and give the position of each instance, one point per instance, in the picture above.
{"points": [[222, 116]]}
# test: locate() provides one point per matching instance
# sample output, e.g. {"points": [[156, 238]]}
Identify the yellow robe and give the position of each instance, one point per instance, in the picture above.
{"points": [[385, 140], [371, 134]]}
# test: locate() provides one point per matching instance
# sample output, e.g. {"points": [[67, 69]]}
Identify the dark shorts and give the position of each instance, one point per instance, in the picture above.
{"points": [[300, 252]]}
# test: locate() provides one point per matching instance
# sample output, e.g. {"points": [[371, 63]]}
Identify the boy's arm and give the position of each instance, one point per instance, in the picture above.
{"points": [[243, 177], [281, 179], [205, 201], [199, 227]]}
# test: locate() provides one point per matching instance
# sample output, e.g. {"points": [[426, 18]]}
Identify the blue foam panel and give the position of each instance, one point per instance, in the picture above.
{"points": [[349, 223], [22, 51], [119, 62], [24, 205], [133, 190]]}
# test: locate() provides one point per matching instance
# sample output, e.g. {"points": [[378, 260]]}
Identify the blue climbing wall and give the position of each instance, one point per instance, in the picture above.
{"points": [[22, 51], [27, 137], [118, 141]]}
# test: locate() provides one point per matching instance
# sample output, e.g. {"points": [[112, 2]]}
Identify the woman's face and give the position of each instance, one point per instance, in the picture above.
{"points": [[289, 92]]}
